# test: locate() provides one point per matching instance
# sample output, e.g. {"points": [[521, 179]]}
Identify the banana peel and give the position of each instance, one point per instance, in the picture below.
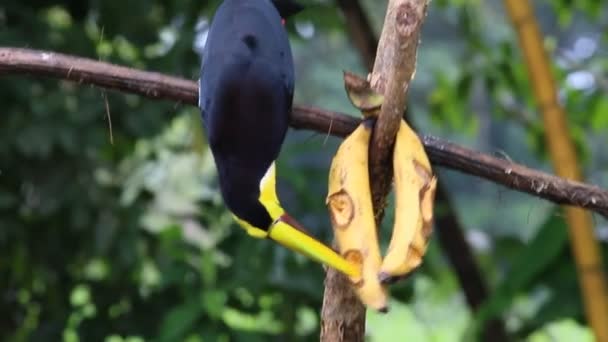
{"points": [[352, 216], [414, 186], [351, 209]]}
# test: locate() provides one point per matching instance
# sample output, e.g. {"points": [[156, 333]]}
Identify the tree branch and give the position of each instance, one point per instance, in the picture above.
{"points": [[442, 153], [87, 71], [451, 235], [394, 67], [393, 71], [360, 31], [585, 246]]}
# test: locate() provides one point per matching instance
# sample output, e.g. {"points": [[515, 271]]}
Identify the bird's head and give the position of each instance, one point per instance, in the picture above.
{"points": [[287, 8]]}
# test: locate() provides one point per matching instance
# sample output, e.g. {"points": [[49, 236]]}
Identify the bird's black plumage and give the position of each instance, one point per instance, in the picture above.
{"points": [[246, 91], [287, 8]]}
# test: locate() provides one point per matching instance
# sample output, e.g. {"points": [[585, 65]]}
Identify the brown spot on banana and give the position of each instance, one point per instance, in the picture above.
{"points": [[356, 257], [426, 207], [423, 171], [416, 252], [341, 209]]}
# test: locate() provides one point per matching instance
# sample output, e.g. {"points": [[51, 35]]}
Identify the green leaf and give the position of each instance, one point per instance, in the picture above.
{"points": [[214, 302], [80, 296], [599, 118], [179, 320], [262, 322], [564, 330], [532, 260]]}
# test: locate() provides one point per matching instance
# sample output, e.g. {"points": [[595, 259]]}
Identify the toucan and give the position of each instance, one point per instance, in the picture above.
{"points": [[246, 91]]}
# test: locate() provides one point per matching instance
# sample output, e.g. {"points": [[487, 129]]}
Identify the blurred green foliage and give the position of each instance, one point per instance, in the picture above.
{"points": [[127, 239]]}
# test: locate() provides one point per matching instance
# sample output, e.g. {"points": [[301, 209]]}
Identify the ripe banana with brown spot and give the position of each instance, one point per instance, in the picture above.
{"points": [[414, 185], [352, 216]]}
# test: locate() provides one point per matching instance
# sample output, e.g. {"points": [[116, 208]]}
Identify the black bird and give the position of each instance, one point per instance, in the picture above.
{"points": [[245, 96]]}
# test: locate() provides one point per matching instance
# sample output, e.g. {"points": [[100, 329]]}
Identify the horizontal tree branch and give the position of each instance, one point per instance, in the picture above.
{"points": [[442, 153]]}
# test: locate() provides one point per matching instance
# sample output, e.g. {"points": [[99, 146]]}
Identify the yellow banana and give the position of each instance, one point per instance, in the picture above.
{"points": [[414, 196], [352, 216]]}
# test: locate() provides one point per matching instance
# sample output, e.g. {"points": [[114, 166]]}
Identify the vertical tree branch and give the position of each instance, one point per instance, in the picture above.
{"points": [[561, 148], [393, 70], [342, 314], [451, 233], [360, 31], [452, 240]]}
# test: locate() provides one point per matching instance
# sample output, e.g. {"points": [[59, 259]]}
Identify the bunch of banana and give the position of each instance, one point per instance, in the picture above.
{"points": [[351, 210]]}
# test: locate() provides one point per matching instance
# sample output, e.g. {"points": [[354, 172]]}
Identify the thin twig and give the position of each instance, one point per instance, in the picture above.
{"points": [[442, 153], [360, 30], [107, 105]]}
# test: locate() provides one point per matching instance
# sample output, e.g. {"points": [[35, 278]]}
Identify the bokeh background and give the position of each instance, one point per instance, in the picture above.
{"points": [[126, 239]]}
